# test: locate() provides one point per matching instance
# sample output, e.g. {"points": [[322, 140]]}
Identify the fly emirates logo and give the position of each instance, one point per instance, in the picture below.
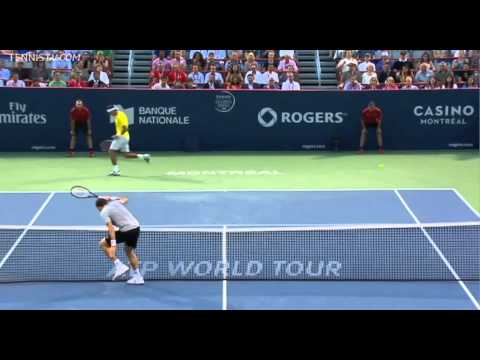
{"points": [[18, 114]]}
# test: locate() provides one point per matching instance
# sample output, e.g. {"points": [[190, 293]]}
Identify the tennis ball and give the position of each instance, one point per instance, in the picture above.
{"points": [[381, 166]]}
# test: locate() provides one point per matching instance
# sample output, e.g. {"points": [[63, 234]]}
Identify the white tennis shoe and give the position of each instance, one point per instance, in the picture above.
{"points": [[121, 270], [136, 280]]}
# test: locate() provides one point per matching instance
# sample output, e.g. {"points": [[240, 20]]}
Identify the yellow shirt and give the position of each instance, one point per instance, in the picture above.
{"points": [[120, 121]]}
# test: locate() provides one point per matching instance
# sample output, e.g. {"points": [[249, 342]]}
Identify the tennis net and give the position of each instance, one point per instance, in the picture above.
{"points": [[413, 252]]}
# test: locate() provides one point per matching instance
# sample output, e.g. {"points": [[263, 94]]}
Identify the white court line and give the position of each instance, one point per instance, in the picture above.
{"points": [[466, 203], [233, 190], [224, 259], [35, 217], [439, 252]]}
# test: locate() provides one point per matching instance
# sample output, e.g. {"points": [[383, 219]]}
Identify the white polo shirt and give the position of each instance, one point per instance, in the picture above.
{"points": [[18, 83], [273, 75], [363, 66], [258, 78], [287, 85], [366, 77]]}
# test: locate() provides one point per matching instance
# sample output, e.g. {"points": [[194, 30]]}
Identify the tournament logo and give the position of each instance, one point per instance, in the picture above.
{"points": [[224, 101]]}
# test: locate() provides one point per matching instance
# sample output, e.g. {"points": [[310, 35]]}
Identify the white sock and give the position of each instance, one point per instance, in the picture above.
{"points": [[136, 272], [116, 168], [140, 156], [117, 263]]}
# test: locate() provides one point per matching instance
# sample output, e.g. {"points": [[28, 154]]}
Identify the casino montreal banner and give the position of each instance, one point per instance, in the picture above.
{"points": [[38, 119]]}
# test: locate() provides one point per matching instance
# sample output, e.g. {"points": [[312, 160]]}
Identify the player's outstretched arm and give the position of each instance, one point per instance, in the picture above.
{"points": [[124, 200]]}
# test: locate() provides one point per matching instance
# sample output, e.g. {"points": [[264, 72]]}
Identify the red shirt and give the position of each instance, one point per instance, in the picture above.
{"points": [[158, 74], [174, 76], [372, 115], [80, 115], [77, 83]]}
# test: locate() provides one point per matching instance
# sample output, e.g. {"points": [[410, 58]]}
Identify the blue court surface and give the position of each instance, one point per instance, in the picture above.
{"points": [[197, 209]]}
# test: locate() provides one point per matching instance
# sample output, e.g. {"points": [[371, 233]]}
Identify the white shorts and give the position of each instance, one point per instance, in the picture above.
{"points": [[120, 144]]}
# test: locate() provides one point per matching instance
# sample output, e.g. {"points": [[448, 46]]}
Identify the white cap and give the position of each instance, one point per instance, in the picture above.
{"points": [[112, 108]]}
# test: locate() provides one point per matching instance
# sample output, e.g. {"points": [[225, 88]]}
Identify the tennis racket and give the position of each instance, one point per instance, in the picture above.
{"points": [[81, 192], [105, 145]]}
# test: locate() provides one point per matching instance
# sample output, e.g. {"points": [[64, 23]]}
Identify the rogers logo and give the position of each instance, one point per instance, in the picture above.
{"points": [[263, 114], [267, 117]]}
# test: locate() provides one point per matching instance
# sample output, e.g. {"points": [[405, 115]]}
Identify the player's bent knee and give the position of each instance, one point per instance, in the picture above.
{"points": [[102, 243]]}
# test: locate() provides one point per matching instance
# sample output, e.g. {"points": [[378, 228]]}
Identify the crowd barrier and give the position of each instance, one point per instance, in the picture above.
{"points": [[38, 119]]}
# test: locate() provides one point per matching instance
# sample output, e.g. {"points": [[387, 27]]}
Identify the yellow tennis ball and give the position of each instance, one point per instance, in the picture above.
{"points": [[381, 166]]}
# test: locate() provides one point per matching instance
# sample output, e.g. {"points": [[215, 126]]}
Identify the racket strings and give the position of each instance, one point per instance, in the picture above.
{"points": [[80, 192]]}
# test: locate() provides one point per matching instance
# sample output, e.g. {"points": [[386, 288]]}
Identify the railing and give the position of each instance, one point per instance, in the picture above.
{"points": [[130, 66], [319, 67]]}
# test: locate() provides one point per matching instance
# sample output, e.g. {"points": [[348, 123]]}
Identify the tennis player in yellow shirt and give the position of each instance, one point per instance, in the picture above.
{"points": [[121, 140]]}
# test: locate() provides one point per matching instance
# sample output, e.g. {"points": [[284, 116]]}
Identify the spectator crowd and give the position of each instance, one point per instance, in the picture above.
{"points": [[245, 69], [224, 69], [56, 68], [406, 70]]}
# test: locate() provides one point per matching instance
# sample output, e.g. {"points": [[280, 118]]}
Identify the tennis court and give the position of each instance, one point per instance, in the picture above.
{"points": [[425, 233]]}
